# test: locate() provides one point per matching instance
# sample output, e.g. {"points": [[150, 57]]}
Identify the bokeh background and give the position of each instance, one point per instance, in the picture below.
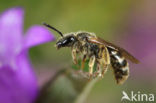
{"points": [[127, 23]]}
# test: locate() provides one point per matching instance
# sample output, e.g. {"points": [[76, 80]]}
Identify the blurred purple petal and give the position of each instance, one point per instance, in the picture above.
{"points": [[10, 86], [11, 22], [37, 35], [12, 90], [18, 82], [26, 76]]}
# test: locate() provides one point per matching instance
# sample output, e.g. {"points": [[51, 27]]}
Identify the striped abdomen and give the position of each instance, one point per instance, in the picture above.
{"points": [[120, 66]]}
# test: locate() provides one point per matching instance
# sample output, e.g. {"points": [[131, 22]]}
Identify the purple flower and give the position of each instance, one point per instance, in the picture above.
{"points": [[18, 83]]}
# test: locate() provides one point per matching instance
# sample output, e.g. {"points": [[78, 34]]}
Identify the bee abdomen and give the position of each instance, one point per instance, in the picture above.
{"points": [[120, 66]]}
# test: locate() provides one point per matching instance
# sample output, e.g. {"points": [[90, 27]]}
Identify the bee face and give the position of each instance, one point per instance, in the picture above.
{"points": [[66, 41]]}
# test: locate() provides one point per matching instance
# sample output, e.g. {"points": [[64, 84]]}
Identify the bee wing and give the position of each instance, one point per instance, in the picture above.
{"points": [[112, 46]]}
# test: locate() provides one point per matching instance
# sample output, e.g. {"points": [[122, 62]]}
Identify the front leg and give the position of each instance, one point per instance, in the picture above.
{"points": [[91, 64], [74, 56]]}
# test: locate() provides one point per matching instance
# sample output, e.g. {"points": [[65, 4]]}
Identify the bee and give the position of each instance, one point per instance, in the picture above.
{"points": [[98, 51]]}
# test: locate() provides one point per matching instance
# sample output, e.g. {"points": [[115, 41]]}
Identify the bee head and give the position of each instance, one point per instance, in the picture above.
{"points": [[66, 41]]}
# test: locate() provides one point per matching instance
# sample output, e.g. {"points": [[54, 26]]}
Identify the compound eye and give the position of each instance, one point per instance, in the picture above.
{"points": [[67, 41], [64, 42]]}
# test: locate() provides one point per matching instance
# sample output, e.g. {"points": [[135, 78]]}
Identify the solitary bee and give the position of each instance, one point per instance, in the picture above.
{"points": [[98, 51]]}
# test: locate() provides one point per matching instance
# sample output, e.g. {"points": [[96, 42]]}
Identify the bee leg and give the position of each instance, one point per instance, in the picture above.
{"points": [[104, 69], [91, 65], [74, 56], [83, 61], [105, 61], [98, 73]]}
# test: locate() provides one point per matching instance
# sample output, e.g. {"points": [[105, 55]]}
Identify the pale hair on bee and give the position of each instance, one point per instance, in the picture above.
{"points": [[98, 51]]}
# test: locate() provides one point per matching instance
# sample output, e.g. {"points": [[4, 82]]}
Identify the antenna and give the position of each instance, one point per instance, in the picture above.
{"points": [[47, 25]]}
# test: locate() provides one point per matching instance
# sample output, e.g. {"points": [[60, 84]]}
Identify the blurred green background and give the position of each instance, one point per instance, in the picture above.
{"points": [[113, 20]]}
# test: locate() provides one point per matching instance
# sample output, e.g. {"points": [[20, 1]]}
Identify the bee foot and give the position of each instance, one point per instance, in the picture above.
{"points": [[75, 62], [90, 76], [100, 75]]}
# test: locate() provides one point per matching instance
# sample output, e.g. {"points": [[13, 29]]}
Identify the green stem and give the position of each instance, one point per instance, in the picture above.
{"points": [[83, 95]]}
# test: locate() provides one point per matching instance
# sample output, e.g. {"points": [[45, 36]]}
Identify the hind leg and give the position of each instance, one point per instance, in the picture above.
{"points": [[104, 69], [101, 69], [105, 61], [98, 73]]}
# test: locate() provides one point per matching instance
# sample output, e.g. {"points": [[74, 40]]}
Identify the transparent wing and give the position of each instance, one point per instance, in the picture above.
{"points": [[110, 45]]}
